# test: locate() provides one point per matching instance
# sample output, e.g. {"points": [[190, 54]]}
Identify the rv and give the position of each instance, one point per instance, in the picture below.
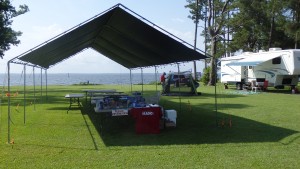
{"points": [[275, 68]]}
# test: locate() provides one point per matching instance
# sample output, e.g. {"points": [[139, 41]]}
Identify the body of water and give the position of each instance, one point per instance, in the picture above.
{"points": [[77, 78]]}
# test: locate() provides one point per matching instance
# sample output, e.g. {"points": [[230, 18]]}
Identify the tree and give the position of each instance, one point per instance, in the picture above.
{"points": [[8, 36], [248, 25], [259, 25], [293, 20], [216, 11], [197, 13], [251, 25]]}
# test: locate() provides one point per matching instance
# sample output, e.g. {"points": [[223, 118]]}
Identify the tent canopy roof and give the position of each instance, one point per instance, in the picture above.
{"points": [[117, 34]]}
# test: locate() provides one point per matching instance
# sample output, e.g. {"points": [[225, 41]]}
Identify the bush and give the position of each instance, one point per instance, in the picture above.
{"points": [[205, 76]]}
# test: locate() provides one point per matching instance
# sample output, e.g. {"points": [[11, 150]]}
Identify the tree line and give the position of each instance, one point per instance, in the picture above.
{"points": [[245, 25]]}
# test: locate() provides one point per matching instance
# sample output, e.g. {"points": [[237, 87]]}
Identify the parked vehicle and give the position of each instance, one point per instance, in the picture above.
{"points": [[276, 67]]}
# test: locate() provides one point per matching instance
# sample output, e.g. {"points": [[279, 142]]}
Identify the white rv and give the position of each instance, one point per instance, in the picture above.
{"points": [[276, 67]]}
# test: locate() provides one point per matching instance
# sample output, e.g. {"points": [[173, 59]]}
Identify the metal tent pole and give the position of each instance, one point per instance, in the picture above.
{"points": [[130, 81], [33, 76], [142, 81], [205, 38], [24, 94], [8, 103], [216, 103], [155, 78], [179, 88], [46, 84], [41, 83]]}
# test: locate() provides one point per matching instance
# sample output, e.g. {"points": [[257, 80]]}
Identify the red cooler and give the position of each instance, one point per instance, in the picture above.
{"points": [[147, 119]]}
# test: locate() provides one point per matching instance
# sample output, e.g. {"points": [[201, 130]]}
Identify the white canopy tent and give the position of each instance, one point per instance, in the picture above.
{"points": [[118, 33]]}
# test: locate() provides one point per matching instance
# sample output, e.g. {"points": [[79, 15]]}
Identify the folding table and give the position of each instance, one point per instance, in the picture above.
{"points": [[74, 99]]}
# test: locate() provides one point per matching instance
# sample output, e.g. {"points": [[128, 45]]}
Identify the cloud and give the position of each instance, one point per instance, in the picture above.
{"points": [[178, 20], [43, 33], [187, 36]]}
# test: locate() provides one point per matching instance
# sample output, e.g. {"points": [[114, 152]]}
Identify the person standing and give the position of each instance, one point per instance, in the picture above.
{"points": [[163, 77], [163, 80]]}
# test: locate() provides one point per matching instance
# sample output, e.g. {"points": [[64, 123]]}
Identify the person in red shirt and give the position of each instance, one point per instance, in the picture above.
{"points": [[163, 80]]}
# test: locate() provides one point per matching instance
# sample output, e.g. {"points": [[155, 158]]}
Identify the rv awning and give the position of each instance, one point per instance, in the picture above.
{"points": [[254, 59], [119, 34]]}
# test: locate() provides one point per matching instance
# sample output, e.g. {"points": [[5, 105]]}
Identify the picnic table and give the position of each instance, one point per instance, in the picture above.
{"points": [[74, 99], [98, 92]]}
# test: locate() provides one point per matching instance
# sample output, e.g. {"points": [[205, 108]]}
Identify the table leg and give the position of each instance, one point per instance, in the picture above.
{"points": [[79, 105], [86, 97], [74, 100], [70, 105]]}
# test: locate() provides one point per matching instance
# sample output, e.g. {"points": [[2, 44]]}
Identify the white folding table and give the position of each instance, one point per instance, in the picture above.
{"points": [[74, 99]]}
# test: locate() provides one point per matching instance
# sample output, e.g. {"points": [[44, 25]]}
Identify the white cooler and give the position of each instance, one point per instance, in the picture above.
{"points": [[170, 118]]}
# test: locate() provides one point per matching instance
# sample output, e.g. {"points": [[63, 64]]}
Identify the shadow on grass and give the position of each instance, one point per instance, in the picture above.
{"points": [[197, 126], [204, 95], [279, 91], [287, 90]]}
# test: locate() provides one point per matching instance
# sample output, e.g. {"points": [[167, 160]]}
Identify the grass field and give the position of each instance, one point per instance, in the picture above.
{"points": [[264, 132]]}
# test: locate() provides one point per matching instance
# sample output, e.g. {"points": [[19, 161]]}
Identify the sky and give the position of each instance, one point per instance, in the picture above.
{"points": [[47, 19]]}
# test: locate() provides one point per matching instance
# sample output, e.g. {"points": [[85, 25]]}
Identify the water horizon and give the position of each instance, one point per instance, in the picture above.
{"points": [[77, 78]]}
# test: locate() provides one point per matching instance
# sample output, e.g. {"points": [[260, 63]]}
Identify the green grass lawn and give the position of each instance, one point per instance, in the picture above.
{"points": [[264, 132]]}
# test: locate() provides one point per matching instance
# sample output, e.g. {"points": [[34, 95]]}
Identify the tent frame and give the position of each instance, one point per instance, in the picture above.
{"points": [[18, 59]]}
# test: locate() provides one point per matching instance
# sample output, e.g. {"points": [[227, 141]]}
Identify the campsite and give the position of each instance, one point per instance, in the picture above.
{"points": [[264, 132], [250, 119]]}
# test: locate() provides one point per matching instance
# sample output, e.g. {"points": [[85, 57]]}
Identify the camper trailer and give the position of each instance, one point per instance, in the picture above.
{"points": [[275, 68]]}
